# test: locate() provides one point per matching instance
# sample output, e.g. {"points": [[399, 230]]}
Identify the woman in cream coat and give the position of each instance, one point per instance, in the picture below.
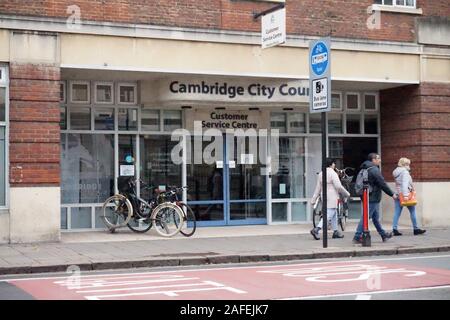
{"points": [[334, 188]]}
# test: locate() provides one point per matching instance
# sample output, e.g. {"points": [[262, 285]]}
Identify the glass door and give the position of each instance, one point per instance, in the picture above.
{"points": [[206, 180], [245, 181]]}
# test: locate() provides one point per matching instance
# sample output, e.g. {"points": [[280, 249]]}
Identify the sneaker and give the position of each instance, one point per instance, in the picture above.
{"points": [[337, 235], [386, 236], [357, 241], [396, 233], [315, 233], [419, 231]]}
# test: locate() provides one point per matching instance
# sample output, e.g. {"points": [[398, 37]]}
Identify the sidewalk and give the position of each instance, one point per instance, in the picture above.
{"points": [[101, 250]]}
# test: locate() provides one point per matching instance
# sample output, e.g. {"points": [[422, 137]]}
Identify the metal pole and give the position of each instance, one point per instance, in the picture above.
{"points": [[324, 180]]}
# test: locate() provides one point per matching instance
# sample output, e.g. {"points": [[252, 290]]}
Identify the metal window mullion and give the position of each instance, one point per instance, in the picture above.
{"points": [[138, 164], [69, 218], [116, 161], [92, 217]]}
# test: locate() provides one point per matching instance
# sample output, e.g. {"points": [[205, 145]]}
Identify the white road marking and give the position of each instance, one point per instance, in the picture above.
{"points": [[366, 293], [230, 268]]}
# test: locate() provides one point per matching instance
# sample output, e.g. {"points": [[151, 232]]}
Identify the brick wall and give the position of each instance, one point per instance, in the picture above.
{"points": [[345, 18], [415, 123], [34, 124]]}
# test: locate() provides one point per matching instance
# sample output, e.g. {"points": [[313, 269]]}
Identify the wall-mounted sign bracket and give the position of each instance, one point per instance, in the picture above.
{"points": [[256, 15]]}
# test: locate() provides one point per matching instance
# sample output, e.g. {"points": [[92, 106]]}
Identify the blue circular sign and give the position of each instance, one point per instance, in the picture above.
{"points": [[319, 58], [129, 159]]}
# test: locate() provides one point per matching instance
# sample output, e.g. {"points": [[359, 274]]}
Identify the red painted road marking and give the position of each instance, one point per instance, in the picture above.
{"points": [[259, 282]]}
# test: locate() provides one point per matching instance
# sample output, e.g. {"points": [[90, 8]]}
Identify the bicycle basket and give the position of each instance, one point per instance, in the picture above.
{"points": [[123, 185]]}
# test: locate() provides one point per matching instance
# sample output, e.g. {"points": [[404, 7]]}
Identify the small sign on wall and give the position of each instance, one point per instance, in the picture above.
{"points": [[126, 170]]}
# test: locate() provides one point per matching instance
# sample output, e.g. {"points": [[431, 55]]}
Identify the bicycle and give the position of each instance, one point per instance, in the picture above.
{"points": [[342, 205], [127, 209], [189, 220]]}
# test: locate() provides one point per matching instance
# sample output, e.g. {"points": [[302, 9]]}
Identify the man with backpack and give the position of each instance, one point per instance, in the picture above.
{"points": [[370, 169]]}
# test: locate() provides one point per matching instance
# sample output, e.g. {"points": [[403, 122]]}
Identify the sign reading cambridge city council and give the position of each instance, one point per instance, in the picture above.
{"points": [[320, 75], [273, 29]]}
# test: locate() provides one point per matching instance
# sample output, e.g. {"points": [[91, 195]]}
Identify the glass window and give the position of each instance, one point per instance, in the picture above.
{"points": [[297, 123], [80, 218], [150, 120], [104, 93], [2, 104], [370, 102], [80, 118], [127, 152], [128, 119], [279, 212], [62, 92], [278, 121], [2, 166], [63, 118], [87, 167], [255, 210], [80, 92], [172, 120], [353, 123], [289, 180], [400, 2], [157, 167], [298, 211], [352, 101], [371, 124], [127, 94], [336, 150], [334, 123], [63, 218], [104, 118], [315, 123], [336, 101]]}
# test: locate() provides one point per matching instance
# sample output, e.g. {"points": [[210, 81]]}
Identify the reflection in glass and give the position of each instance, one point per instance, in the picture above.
{"points": [[150, 120], [80, 218], [103, 93], [63, 118], [370, 102], [172, 120], [335, 101], [279, 212], [157, 167], [127, 119], [127, 94], [352, 102], [247, 210], [87, 168], [278, 121], [80, 118], [104, 118], [208, 212], [334, 123], [315, 124], [289, 181], [298, 211], [63, 218], [80, 92], [297, 123]]}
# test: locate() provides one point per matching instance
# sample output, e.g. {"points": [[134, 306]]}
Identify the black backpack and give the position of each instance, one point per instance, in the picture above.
{"points": [[361, 179]]}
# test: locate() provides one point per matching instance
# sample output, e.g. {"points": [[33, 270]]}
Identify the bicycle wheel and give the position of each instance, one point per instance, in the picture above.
{"points": [[116, 212], [168, 219], [317, 214], [189, 224], [342, 216], [140, 225]]}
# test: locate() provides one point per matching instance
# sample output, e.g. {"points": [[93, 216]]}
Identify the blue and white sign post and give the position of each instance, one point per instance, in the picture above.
{"points": [[320, 102]]}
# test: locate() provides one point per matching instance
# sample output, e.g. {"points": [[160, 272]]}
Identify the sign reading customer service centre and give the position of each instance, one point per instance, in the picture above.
{"points": [[320, 75], [273, 29]]}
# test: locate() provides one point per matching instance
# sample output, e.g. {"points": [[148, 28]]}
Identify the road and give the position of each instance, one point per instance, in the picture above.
{"points": [[385, 277]]}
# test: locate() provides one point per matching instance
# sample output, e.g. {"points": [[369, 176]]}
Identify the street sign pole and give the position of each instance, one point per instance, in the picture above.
{"points": [[324, 180], [320, 102]]}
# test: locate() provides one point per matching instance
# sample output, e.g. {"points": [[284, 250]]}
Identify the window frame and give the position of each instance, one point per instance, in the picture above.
{"points": [[127, 84], [394, 4], [104, 83], [358, 94], [376, 95], [64, 91], [87, 83]]}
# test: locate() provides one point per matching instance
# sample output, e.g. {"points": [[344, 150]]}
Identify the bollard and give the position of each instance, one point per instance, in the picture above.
{"points": [[366, 241]]}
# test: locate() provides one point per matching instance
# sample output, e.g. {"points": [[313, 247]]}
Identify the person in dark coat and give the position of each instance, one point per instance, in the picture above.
{"points": [[376, 181]]}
